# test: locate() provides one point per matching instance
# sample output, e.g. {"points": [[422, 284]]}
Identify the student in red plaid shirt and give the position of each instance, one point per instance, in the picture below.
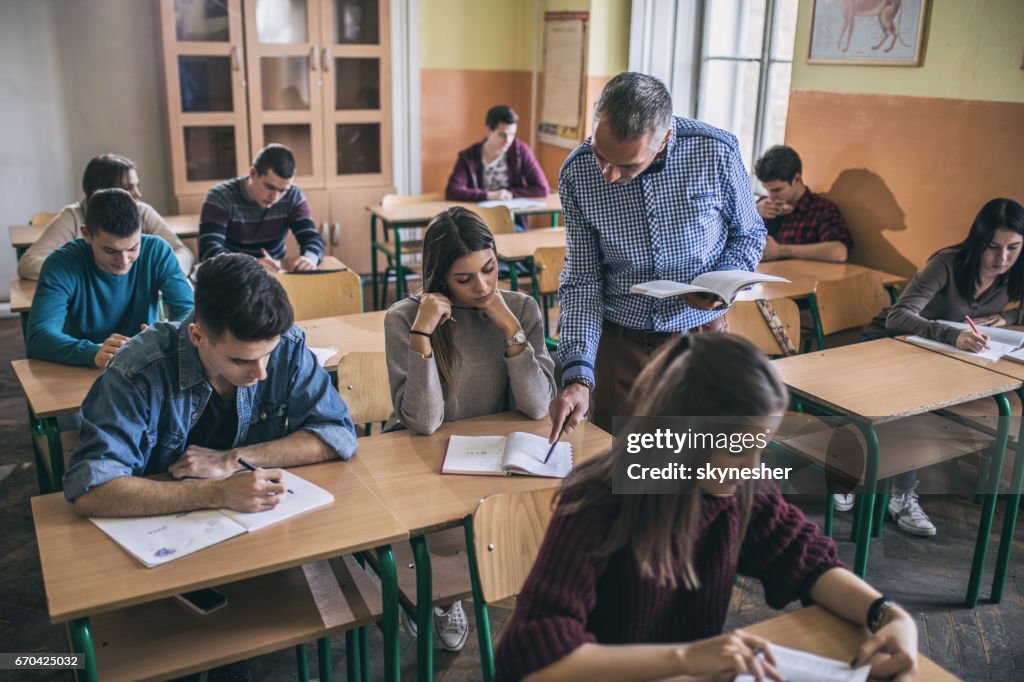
{"points": [[800, 223]]}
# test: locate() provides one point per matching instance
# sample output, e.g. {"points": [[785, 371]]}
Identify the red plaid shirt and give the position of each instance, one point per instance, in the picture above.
{"points": [[813, 220]]}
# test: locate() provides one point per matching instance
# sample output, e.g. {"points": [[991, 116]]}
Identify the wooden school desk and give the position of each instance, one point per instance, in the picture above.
{"points": [[521, 246], [418, 215], [804, 274], [886, 380], [404, 470], [53, 389], [24, 236], [820, 632], [101, 591], [1014, 370]]}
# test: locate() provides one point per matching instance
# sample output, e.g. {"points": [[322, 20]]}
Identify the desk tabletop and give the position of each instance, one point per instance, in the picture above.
{"points": [[818, 631], [85, 572], [885, 380], [181, 225], [361, 332], [403, 469], [804, 274], [22, 292], [421, 213], [521, 245]]}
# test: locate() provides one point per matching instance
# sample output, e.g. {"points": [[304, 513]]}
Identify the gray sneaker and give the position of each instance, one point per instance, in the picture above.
{"points": [[406, 623], [843, 502], [452, 626], [906, 511]]}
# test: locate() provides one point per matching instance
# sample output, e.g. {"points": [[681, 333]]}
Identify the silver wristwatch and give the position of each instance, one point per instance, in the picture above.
{"points": [[518, 339]]}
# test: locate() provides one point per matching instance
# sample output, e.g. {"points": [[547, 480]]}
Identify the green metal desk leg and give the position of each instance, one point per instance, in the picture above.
{"points": [[81, 643], [988, 508], [400, 283], [42, 470], [301, 663], [867, 499], [483, 621], [24, 325], [1010, 519], [353, 666], [373, 259], [323, 656], [389, 622], [819, 336], [533, 278], [513, 275], [53, 443], [363, 635], [881, 503], [894, 294], [424, 609], [554, 219]]}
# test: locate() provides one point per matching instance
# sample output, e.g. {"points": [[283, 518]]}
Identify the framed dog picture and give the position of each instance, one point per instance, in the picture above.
{"points": [[878, 32]]}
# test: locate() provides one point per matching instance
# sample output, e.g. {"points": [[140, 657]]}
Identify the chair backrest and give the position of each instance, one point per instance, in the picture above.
{"points": [[393, 200], [41, 219], [549, 261], [323, 294], [363, 385], [507, 533], [498, 218], [745, 319], [849, 302]]}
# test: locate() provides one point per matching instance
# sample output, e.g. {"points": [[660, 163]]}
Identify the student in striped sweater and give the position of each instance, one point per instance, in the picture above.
{"points": [[655, 572], [253, 213]]}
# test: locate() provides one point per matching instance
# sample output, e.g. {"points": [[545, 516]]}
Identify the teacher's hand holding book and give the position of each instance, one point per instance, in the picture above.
{"points": [[703, 301]]}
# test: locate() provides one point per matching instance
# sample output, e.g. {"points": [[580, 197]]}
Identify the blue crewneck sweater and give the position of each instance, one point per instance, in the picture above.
{"points": [[77, 306]]}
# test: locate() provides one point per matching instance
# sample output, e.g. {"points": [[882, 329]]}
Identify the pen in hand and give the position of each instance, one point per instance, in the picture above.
{"points": [[974, 328], [555, 444], [250, 467]]}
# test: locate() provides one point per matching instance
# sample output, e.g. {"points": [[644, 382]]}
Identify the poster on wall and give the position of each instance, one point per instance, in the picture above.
{"points": [[874, 32], [565, 52]]}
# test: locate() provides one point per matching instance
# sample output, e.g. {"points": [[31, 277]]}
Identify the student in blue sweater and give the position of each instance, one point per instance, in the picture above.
{"points": [[96, 292]]}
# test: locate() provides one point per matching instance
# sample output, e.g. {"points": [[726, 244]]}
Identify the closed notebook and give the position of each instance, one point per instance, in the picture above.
{"points": [[517, 453], [155, 540], [800, 666]]}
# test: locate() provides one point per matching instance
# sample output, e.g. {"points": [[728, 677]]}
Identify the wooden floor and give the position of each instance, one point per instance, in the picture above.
{"points": [[927, 575]]}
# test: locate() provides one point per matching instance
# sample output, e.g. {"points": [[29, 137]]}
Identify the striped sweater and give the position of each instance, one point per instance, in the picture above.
{"points": [[232, 222], [571, 597]]}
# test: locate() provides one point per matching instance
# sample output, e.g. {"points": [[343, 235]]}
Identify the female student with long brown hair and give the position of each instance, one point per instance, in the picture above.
{"points": [[655, 572], [464, 348]]}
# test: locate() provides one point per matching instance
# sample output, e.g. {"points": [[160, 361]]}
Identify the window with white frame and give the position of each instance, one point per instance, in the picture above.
{"points": [[726, 62]]}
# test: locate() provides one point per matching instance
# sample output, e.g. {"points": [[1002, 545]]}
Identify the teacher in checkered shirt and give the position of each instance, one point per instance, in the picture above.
{"points": [[648, 196]]}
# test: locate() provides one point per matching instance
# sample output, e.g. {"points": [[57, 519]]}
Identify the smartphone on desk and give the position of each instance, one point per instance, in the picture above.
{"points": [[203, 601]]}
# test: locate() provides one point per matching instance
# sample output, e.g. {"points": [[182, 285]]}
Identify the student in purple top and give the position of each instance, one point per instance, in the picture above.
{"points": [[500, 167], [637, 586]]}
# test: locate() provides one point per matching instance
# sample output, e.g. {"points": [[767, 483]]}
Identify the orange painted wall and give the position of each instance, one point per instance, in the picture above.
{"points": [[909, 173]]}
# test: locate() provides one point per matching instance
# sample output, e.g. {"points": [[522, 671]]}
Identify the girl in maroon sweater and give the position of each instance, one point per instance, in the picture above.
{"points": [[655, 572]]}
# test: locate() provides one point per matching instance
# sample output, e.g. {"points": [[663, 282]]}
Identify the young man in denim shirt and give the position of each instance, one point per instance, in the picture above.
{"points": [[234, 381]]}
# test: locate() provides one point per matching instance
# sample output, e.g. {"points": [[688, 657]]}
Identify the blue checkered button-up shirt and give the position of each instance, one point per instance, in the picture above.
{"points": [[691, 212]]}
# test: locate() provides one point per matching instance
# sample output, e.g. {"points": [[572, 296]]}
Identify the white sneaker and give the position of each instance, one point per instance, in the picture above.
{"points": [[843, 502], [452, 626], [906, 511], [406, 623]]}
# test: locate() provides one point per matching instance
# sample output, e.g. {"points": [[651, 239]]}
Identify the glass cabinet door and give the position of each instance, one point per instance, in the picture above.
{"points": [[357, 98], [286, 81], [205, 79]]}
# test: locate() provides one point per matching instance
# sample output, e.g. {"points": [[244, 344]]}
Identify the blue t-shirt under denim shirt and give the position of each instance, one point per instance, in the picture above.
{"points": [[137, 416], [77, 306]]}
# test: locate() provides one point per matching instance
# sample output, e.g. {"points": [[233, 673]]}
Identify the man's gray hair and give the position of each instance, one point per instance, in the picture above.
{"points": [[634, 104]]}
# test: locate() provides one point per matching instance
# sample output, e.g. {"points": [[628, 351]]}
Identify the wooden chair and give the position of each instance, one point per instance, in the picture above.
{"points": [[745, 319], [548, 262], [363, 385], [41, 219], [323, 294], [389, 201], [499, 219], [503, 537], [848, 303]]}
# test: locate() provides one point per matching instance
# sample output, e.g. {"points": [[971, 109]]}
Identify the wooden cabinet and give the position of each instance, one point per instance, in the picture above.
{"points": [[310, 74]]}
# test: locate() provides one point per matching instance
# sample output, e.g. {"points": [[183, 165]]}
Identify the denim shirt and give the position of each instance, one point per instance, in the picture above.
{"points": [[137, 416]]}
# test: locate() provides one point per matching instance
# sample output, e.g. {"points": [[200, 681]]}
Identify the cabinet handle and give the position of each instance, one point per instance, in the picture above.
{"points": [[327, 59], [236, 57], [313, 54]]}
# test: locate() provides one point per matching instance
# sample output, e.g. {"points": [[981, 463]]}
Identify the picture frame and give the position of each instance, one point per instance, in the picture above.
{"points": [[867, 32]]}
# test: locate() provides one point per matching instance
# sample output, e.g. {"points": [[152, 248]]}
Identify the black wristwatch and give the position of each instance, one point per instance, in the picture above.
{"points": [[877, 612]]}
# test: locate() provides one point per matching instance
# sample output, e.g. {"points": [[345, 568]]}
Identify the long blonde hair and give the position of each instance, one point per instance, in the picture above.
{"points": [[705, 375]]}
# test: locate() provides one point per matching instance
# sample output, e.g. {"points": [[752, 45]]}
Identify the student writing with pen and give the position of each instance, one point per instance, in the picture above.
{"points": [[973, 281], [234, 382], [464, 348]]}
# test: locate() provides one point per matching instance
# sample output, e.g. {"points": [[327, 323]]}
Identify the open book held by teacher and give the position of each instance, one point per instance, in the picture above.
{"points": [[155, 540], [722, 283], [517, 453]]}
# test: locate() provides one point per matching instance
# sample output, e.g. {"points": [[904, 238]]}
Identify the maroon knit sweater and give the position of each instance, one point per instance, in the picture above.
{"points": [[571, 598], [525, 177]]}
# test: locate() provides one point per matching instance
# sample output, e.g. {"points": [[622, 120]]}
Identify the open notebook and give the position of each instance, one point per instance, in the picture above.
{"points": [[155, 540], [1002, 343], [800, 666], [723, 283], [517, 453]]}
